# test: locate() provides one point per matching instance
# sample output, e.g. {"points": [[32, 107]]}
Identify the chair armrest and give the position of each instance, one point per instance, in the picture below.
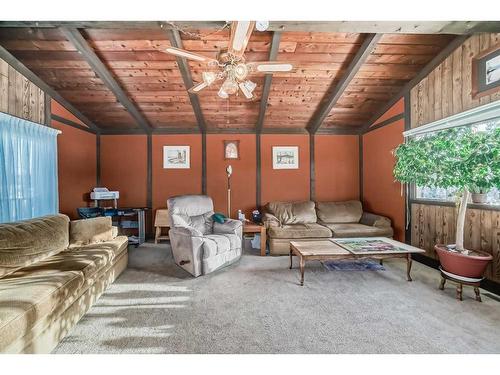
{"points": [[186, 231], [230, 226], [374, 220], [270, 220]]}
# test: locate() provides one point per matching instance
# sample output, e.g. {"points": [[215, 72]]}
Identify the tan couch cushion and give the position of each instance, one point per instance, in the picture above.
{"points": [[25, 242], [359, 230], [339, 212], [88, 231], [27, 298], [31, 293], [311, 230], [293, 212]]}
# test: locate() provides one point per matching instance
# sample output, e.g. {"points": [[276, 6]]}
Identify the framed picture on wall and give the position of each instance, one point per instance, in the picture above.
{"points": [[486, 72], [176, 157], [285, 157], [231, 150]]}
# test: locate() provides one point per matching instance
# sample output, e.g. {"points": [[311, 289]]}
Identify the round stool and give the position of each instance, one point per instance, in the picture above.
{"points": [[461, 280]]}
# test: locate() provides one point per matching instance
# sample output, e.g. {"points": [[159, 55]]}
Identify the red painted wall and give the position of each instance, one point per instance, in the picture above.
{"points": [[243, 186], [76, 163], [124, 167], [336, 159], [284, 184], [171, 182], [395, 110], [381, 194]]}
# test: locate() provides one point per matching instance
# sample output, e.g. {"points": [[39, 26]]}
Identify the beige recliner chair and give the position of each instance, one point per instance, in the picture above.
{"points": [[201, 245]]}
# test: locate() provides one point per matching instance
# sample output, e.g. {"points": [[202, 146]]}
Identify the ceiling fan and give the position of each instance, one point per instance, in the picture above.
{"points": [[231, 65]]}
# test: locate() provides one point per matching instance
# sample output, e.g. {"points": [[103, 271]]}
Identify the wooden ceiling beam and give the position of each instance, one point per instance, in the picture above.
{"points": [[382, 27], [359, 59], [175, 41], [21, 68], [429, 67], [77, 39], [273, 53]]}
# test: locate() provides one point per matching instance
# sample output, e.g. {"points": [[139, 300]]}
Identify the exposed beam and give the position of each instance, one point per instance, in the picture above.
{"points": [[21, 68], [361, 167], [175, 41], [98, 160], [73, 124], [359, 59], [77, 39], [179, 130], [312, 168], [431, 65], [258, 172], [273, 53], [383, 27], [386, 122]]}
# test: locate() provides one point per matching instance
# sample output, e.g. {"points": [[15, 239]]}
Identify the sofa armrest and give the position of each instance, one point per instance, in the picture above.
{"points": [[230, 226], [375, 220], [270, 220]]}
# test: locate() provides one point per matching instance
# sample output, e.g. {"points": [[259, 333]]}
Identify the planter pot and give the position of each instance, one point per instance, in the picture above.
{"points": [[472, 265], [480, 198]]}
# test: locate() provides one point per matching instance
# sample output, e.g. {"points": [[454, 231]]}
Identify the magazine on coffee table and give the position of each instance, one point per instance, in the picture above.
{"points": [[369, 246]]}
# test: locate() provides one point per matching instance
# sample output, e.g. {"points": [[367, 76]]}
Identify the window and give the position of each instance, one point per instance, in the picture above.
{"points": [[479, 119], [28, 169]]}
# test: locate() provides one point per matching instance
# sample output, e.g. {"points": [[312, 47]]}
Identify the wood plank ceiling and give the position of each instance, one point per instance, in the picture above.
{"points": [[153, 81]]}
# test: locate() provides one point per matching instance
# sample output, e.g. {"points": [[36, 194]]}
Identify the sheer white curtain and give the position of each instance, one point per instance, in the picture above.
{"points": [[28, 169]]}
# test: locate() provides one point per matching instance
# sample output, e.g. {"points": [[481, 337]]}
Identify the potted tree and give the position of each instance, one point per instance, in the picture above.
{"points": [[464, 158]]}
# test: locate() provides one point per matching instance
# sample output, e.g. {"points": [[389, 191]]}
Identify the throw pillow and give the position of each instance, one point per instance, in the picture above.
{"points": [[219, 218]]}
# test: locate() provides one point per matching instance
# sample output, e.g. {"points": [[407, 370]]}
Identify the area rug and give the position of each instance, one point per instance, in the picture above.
{"points": [[353, 265]]}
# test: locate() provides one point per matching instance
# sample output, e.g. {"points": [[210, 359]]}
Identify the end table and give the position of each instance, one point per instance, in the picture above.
{"points": [[260, 229]]}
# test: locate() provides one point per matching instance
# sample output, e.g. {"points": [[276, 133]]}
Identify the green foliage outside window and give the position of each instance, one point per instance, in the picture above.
{"points": [[464, 158]]}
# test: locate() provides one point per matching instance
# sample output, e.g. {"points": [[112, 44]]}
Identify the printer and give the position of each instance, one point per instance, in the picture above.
{"points": [[103, 194]]}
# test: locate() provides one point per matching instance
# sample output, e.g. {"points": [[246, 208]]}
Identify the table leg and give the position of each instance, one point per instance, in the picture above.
{"points": [[408, 267], [459, 291], [381, 262], [302, 265], [291, 259], [263, 241], [441, 284], [478, 294]]}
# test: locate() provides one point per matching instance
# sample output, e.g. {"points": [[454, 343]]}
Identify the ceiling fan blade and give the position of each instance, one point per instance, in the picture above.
{"points": [[270, 67], [240, 35], [189, 55], [197, 88]]}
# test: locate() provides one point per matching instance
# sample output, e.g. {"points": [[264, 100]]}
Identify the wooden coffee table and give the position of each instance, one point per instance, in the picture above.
{"points": [[328, 250]]}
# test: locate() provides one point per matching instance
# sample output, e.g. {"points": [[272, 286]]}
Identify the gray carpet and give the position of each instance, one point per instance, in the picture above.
{"points": [[257, 306]]}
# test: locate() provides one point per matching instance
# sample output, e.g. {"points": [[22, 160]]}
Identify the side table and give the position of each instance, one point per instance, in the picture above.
{"points": [[260, 229]]}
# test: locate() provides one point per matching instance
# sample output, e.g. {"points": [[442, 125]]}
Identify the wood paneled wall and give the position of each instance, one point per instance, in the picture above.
{"points": [[436, 225], [447, 90], [19, 96]]}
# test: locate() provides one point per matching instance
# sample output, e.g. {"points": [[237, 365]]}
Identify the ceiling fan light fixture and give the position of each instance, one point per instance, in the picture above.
{"points": [[222, 94], [230, 86], [249, 85], [246, 90]]}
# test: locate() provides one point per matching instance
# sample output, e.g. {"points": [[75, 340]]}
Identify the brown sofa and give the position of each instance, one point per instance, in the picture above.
{"points": [[299, 221], [51, 272]]}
